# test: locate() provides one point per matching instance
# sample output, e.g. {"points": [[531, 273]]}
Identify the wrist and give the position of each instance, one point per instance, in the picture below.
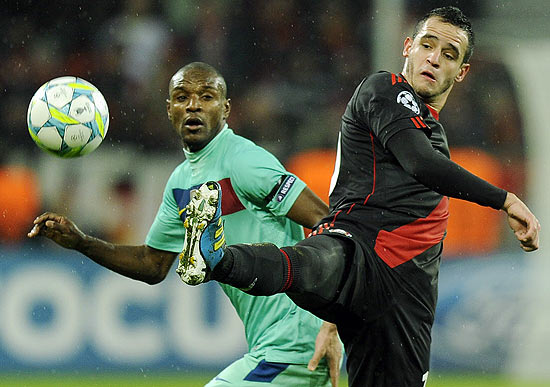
{"points": [[83, 242], [510, 199]]}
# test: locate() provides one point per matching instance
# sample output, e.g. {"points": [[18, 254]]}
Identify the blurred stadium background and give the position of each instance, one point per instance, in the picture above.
{"points": [[291, 67]]}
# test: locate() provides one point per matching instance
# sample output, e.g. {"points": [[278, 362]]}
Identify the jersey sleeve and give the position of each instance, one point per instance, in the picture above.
{"points": [[167, 232], [386, 104], [259, 178]]}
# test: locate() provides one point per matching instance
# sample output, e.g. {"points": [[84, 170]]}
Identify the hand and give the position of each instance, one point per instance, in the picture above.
{"points": [[327, 344], [525, 225], [58, 228]]}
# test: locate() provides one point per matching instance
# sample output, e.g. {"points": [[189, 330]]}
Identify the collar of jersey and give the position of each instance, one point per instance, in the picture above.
{"points": [[195, 157]]}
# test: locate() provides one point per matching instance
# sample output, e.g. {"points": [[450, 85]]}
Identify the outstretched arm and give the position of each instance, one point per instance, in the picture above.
{"points": [[416, 155], [141, 263]]}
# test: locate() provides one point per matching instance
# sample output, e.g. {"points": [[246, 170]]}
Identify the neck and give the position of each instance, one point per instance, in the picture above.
{"points": [[435, 105], [197, 147], [437, 102]]}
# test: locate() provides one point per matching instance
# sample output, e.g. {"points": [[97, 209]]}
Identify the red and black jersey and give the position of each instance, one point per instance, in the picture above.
{"points": [[388, 203], [399, 222], [400, 212]]}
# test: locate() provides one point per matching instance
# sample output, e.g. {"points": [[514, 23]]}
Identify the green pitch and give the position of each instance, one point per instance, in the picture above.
{"points": [[185, 379], [444, 380]]}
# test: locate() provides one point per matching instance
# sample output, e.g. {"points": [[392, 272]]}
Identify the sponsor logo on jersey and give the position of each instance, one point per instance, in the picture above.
{"points": [[288, 183], [406, 99]]}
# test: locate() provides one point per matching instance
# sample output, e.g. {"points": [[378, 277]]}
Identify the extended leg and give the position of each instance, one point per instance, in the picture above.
{"points": [[311, 271]]}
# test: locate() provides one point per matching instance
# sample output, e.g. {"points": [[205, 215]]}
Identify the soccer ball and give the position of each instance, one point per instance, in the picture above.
{"points": [[68, 117]]}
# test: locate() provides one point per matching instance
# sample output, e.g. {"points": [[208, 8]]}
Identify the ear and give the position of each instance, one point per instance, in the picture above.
{"points": [[226, 108], [407, 45], [168, 109], [464, 69]]}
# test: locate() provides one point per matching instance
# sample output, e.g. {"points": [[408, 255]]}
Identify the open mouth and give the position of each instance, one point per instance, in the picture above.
{"points": [[193, 123], [428, 75]]}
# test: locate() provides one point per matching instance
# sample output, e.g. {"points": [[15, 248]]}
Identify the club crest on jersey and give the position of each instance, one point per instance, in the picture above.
{"points": [[406, 99]]}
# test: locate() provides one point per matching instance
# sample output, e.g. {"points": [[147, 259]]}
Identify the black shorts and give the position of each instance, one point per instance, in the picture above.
{"points": [[383, 319]]}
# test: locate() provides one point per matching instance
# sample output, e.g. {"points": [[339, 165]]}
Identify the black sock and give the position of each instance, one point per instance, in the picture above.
{"points": [[311, 271], [259, 269]]}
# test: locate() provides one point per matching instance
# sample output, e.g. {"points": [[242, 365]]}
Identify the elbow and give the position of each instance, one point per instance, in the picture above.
{"points": [[157, 277], [317, 217], [153, 280], [320, 212], [156, 266], [414, 169], [418, 171]]}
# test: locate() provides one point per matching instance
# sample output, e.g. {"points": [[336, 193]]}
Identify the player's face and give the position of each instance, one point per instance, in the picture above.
{"points": [[434, 59], [197, 107]]}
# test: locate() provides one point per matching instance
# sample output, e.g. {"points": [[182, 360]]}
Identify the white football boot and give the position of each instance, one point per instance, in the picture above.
{"points": [[204, 242]]}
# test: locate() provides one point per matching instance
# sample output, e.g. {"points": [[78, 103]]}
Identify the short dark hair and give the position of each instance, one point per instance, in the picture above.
{"points": [[454, 16]]}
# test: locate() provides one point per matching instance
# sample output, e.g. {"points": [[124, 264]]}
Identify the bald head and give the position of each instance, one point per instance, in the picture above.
{"points": [[196, 71]]}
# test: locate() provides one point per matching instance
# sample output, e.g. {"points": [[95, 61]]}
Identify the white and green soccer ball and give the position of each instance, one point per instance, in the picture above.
{"points": [[68, 117]]}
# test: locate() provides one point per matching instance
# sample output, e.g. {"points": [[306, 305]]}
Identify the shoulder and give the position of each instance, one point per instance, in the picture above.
{"points": [[387, 90], [180, 168], [245, 152], [383, 83], [236, 145], [236, 140], [178, 173], [381, 78]]}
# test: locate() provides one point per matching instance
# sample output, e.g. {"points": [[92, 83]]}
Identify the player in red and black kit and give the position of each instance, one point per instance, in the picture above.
{"points": [[372, 265]]}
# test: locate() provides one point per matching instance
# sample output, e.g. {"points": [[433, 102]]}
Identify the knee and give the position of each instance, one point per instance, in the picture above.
{"points": [[318, 266]]}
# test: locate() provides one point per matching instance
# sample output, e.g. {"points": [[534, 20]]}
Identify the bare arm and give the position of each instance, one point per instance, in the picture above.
{"points": [[308, 209], [141, 263]]}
